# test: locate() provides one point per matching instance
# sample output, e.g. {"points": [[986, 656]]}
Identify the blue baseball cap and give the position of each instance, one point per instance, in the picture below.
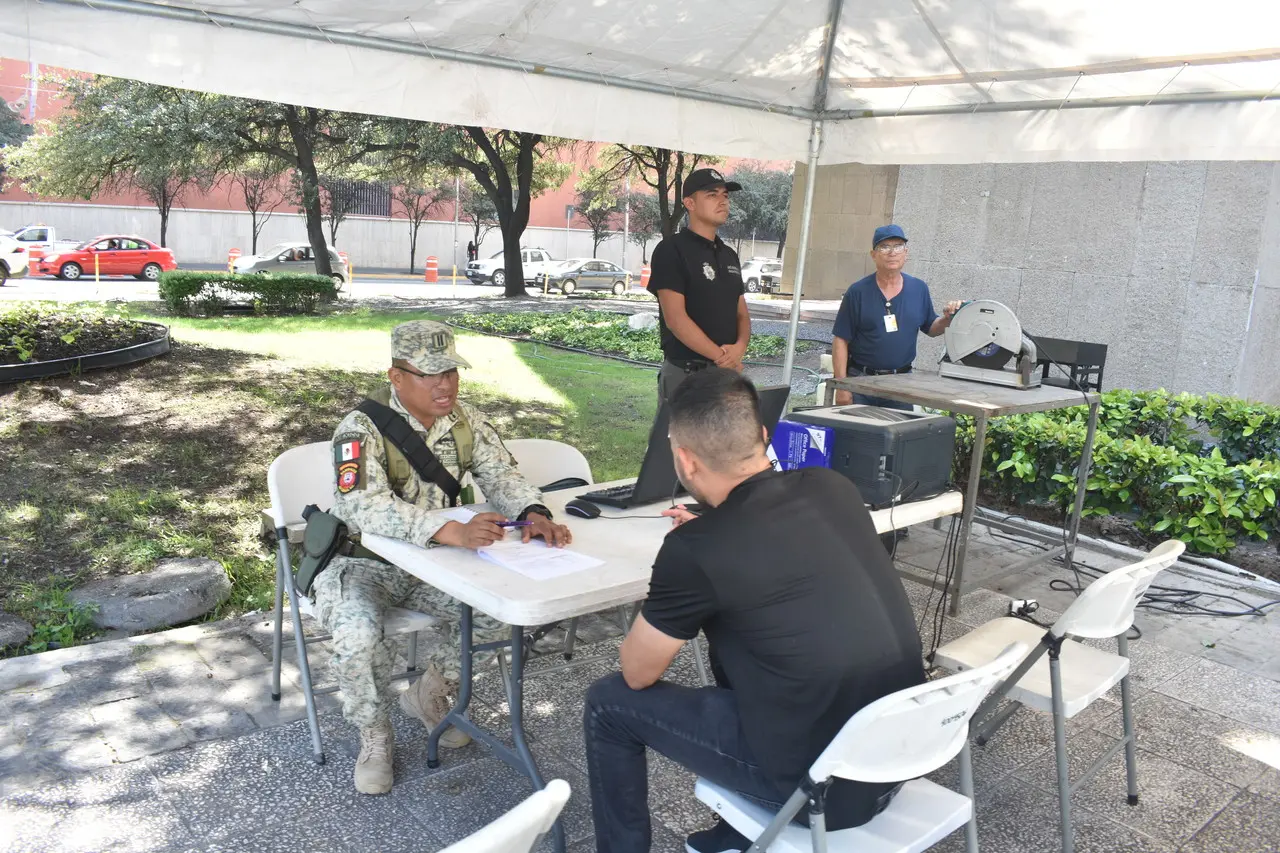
{"points": [[887, 232]]}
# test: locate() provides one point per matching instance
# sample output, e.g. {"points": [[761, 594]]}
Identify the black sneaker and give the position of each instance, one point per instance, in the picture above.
{"points": [[721, 838]]}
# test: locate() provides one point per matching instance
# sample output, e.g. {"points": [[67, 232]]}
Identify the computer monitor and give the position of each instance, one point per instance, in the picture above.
{"points": [[657, 480]]}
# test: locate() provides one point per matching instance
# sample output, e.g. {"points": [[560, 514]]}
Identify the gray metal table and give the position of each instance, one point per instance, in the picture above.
{"points": [[983, 401]]}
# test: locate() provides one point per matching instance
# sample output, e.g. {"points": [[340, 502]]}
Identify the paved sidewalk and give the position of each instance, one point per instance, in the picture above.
{"points": [[170, 743]]}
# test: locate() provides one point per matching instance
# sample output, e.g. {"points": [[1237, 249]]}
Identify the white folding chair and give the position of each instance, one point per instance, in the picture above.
{"points": [[1075, 675], [901, 736], [298, 477], [518, 830]]}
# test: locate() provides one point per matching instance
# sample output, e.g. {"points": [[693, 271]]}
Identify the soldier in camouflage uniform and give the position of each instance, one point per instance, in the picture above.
{"points": [[379, 492]]}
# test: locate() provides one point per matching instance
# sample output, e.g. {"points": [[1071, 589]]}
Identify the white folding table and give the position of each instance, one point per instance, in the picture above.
{"points": [[627, 545]]}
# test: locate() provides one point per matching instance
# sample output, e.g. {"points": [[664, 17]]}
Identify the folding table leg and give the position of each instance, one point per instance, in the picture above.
{"points": [[516, 705], [966, 517], [413, 652], [570, 637], [1060, 753]]}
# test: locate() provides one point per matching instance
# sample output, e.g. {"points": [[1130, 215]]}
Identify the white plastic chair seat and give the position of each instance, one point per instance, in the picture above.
{"points": [[1087, 673], [921, 815], [396, 621]]}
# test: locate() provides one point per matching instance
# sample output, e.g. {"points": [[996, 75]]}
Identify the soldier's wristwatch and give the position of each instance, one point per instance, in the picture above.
{"points": [[538, 508]]}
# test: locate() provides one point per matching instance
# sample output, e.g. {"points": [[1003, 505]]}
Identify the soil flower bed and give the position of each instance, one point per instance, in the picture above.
{"points": [[32, 333]]}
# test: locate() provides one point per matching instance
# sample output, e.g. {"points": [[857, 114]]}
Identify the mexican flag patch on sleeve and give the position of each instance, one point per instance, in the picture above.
{"points": [[348, 462]]}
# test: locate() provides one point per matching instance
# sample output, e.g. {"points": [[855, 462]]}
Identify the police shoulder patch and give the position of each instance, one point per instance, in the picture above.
{"points": [[348, 461]]}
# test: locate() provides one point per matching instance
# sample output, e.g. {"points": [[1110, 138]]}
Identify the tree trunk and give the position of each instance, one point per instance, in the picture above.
{"points": [[166, 205], [253, 224], [413, 243], [310, 181]]}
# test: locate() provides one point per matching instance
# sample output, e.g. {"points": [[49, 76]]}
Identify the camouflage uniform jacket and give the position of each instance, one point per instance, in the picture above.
{"points": [[372, 505]]}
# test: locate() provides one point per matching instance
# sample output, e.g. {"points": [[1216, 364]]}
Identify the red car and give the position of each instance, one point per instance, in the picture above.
{"points": [[110, 255]]}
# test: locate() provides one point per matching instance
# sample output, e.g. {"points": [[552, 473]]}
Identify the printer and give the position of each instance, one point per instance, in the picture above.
{"points": [[888, 452]]}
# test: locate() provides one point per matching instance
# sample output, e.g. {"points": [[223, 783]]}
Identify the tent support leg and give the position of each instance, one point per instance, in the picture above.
{"points": [[806, 219]]}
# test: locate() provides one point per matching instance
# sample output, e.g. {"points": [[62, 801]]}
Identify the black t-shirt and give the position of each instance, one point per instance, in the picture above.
{"points": [[806, 619], [708, 274]]}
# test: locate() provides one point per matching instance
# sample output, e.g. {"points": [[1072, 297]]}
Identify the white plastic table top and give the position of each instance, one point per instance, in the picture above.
{"points": [[627, 546]]}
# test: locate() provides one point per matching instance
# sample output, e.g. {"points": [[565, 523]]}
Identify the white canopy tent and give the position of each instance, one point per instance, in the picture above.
{"points": [[826, 81]]}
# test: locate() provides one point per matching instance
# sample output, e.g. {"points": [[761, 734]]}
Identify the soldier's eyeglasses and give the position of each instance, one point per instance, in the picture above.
{"points": [[433, 378]]}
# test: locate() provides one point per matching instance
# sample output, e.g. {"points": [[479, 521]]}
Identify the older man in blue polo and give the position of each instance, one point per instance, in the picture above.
{"points": [[880, 316]]}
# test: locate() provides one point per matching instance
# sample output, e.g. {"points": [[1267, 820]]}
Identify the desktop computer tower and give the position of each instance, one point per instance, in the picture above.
{"points": [[888, 452]]}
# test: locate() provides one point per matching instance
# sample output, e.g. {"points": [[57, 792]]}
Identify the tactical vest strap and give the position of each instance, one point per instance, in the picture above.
{"points": [[397, 432]]}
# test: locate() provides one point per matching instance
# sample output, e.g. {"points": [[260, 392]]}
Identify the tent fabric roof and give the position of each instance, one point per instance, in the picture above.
{"points": [[910, 80]]}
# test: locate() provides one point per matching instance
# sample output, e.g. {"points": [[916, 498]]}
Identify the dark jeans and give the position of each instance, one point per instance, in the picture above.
{"points": [[697, 728], [883, 403]]}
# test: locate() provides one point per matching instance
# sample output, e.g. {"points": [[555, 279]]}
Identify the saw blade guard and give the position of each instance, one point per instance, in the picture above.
{"points": [[984, 330]]}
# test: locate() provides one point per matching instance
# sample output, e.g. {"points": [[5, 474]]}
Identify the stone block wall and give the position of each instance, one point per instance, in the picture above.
{"points": [[849, 202], [1175, 266]]}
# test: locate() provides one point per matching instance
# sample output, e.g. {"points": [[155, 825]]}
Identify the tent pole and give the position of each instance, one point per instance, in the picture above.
{"points": [[806, 218]]}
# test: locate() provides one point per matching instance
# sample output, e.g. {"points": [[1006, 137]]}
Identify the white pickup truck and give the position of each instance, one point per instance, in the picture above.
{"points": [[41, 240], [534, 261]]}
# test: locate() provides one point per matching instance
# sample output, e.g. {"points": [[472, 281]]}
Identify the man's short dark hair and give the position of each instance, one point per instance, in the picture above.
{"points": [[715, 413]]}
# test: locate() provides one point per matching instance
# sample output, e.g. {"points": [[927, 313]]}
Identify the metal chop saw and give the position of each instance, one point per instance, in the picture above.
{"points": [[981, 339]]}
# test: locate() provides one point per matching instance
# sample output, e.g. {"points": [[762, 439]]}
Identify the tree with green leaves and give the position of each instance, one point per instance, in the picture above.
{"points": [[662, 169], [258, 180], [421, 193], [477, 210], [13, 132], [597, 204], [117, 135], [760, 210], [308, 140], [645, 221], [511, 167]]}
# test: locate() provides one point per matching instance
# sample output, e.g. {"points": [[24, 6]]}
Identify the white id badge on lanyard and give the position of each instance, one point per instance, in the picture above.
{"points": [[890, 323]]}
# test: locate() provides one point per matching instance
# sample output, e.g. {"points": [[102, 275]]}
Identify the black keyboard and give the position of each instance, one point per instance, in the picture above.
{"points": [[615, 496]]}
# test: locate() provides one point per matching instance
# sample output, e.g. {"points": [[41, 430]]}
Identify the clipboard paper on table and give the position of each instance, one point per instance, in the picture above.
{"points": [[535, 560]]}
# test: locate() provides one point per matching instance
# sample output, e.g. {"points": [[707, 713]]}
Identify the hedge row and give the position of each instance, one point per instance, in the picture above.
{"points": [[1203, 470], [598, 331], [187, 292]]}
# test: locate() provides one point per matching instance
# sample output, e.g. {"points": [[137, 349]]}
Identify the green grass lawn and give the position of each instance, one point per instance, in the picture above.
{"points": [[117, 469]]}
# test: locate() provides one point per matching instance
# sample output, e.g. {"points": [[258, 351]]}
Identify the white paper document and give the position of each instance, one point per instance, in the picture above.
{"points": [[535, 560], [460, 514]]}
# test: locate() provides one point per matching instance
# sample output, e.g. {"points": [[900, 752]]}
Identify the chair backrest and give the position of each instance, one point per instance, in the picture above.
{"points": [[543, 461], [301, 475], [519, 829], [1106, 606], [914, 731]]}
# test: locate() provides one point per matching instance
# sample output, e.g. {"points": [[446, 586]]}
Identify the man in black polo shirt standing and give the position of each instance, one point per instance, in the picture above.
{"points": [[806, 621], [698, 282]]}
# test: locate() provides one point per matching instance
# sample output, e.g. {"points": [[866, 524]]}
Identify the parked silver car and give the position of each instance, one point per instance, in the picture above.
{"points": [[762, 275], [294, 257], [588, 274]]}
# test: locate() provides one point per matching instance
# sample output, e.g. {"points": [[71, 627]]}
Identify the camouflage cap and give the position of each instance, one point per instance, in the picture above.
{"points": [[427, 346]]}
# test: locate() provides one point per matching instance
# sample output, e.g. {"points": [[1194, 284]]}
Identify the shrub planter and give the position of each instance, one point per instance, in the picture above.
{"points": [[159, 345]]}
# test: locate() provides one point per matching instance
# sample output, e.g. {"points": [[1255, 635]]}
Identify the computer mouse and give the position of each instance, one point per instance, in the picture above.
{"points": [[582, 509]]}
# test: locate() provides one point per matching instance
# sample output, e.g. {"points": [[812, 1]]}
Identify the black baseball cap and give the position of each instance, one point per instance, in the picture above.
{"points": [[705, 179]]}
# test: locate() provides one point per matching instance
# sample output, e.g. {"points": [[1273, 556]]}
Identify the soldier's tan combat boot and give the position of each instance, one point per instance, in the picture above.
{"points": [[427, 700], [377, 751]]}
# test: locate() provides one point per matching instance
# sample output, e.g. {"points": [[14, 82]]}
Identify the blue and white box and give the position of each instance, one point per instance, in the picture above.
{"points": [[801, 446]]}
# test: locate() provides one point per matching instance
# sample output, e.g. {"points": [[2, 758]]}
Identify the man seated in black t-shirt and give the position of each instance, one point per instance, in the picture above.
{"points": [[806, 620]]}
